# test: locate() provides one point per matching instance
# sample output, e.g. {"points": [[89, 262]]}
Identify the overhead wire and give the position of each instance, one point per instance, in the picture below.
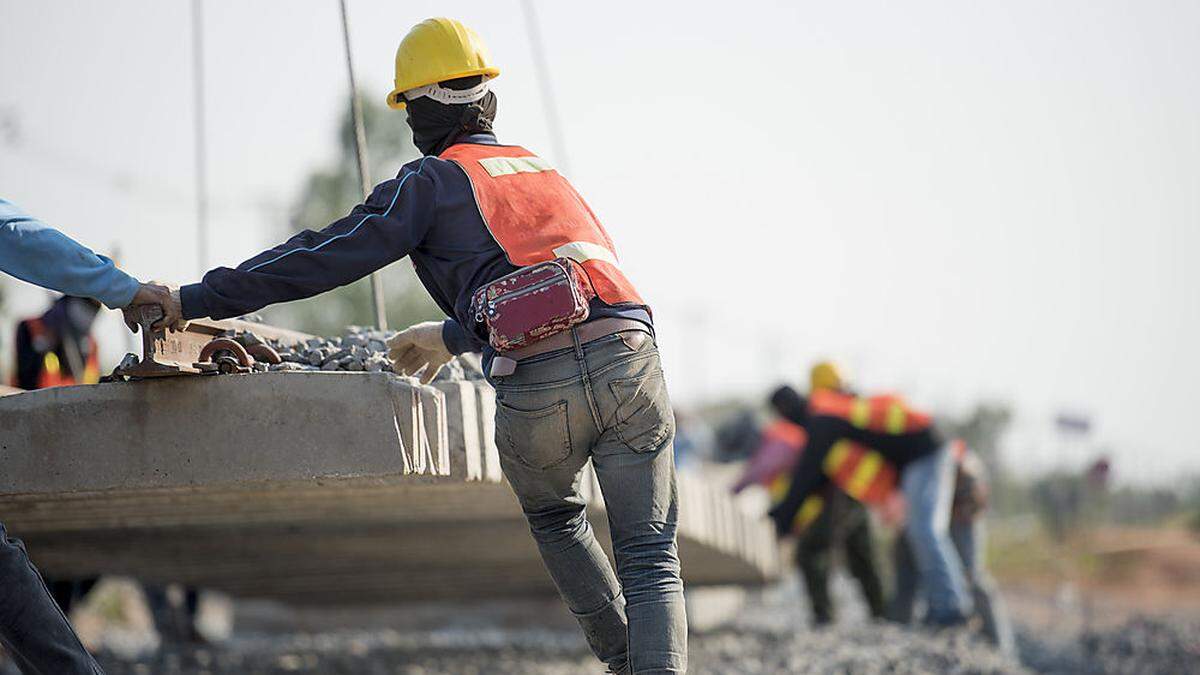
{"points": [[200, 136], [364, 175], [545, 83]]}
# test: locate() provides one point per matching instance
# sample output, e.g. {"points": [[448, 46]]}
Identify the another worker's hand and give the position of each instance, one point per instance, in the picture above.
{"points": [[158, 294], [418, 347]]}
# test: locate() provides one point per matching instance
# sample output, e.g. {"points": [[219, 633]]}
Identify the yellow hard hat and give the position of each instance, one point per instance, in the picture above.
{"points": [[825, 375], [437, 50]]}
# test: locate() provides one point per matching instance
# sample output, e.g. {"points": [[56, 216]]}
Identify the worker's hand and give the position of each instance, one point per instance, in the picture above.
{"points": [[418, 347], [159, 294]]}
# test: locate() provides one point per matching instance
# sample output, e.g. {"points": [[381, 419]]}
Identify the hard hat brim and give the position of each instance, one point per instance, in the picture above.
{"points": [[395, 99]]}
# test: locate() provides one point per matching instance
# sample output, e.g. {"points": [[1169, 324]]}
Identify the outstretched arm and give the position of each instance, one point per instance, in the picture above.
{"points": [[32, 251], [807, 478], [387, 227]]}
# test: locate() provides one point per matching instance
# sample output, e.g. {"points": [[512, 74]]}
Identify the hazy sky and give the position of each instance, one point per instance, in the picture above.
{"points": [[958, 200]]}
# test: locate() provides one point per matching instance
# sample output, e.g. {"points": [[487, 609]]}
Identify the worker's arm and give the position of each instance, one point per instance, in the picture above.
{"points": [[807, 478], [387, 227], [32, 251]]}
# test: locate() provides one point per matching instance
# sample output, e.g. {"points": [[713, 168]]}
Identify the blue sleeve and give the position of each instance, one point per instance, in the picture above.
{"points": [[387, 227], [32, 251]]}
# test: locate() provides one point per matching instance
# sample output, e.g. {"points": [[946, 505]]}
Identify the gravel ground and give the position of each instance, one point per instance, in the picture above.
{"points": [[768, 636], [1140, 646]]}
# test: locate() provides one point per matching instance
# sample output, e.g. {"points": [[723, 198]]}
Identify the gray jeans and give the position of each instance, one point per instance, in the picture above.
{"points": [[606, 401], [32, 627]]}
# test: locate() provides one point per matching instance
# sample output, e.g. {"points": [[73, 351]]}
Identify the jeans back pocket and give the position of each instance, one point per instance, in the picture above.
{"points": [[539, 439], [644, 418]]}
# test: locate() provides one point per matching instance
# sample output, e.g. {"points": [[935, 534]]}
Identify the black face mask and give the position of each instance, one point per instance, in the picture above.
{"points": [[436, 126]]}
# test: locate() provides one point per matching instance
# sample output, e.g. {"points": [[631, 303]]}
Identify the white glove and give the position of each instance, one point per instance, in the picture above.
{"points": [[418, 347]]}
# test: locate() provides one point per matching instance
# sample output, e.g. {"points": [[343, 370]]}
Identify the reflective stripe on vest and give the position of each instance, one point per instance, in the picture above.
{"points": [[535, 215], [881, 414], [860, 472], [809, 510], [51, 375]]}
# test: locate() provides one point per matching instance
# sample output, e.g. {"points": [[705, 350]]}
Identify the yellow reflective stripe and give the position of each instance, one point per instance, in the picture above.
{"points": [[583, 251], [506, 166], [896, 417], [50, 363], [778, 488], [860, 413], [837, 455], [864, 474], [809, 510]]}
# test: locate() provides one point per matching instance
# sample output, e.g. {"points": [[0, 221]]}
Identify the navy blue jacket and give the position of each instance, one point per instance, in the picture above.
{"points": [[428, 212]]}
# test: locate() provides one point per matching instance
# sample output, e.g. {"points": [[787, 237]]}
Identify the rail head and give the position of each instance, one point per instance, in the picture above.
{"points": [[169, 352]]}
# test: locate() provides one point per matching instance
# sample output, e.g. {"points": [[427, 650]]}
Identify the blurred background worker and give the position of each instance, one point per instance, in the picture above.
{"points": [[866, 445], [57, 347], [32, 627], [828, 520], [969, 534], [843, 524], [472, 211]]}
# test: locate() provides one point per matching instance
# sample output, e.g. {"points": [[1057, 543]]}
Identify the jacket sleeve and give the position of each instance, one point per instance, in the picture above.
{"points": [[807, 478], [387, 227], [458, 339], [32, 251]]}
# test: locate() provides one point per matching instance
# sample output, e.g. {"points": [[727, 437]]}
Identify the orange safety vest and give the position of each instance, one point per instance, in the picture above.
{"points": [[535, 215], [786, 432], [886, 414], [51, 374], [860, 472]]}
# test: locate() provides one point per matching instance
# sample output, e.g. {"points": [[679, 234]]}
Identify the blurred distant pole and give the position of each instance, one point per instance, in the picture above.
{"points": [[364, 174], [549, 103], [201, 159]]}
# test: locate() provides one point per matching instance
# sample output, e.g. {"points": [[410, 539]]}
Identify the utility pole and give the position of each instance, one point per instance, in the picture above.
{"points": [[198, 118], [549, 103], [364, 174]]}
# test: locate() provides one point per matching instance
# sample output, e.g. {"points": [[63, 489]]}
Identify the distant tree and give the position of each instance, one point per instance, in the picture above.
{"points": [[328, 194], [983, 430]]}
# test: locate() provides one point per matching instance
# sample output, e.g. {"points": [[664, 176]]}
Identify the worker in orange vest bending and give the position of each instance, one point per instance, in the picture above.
{"points": [[527, 275], [828, 519], [868, 446], [57, 348]]}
